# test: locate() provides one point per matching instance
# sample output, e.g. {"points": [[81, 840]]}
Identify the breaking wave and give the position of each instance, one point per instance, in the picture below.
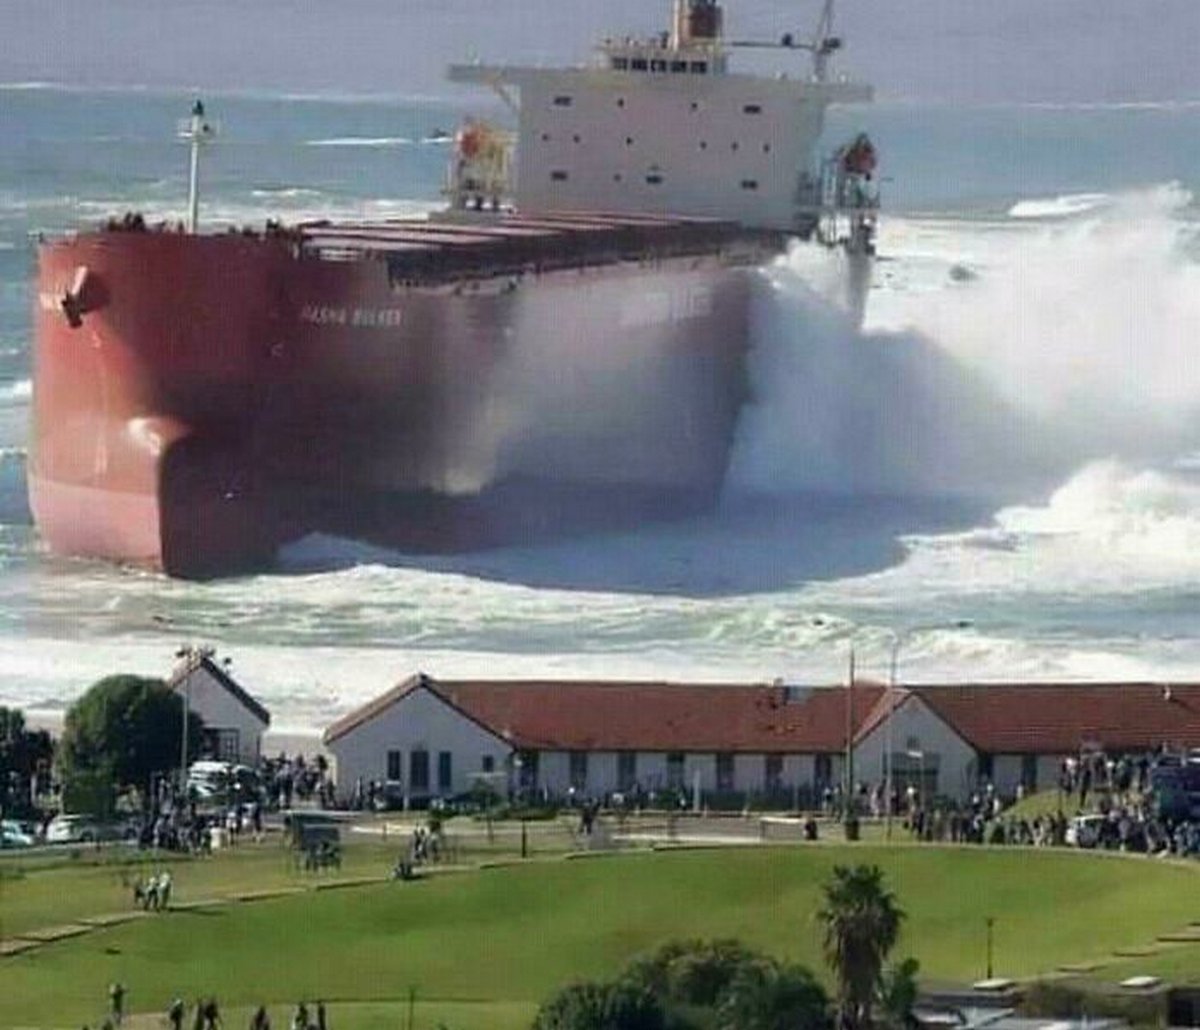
{"points": [[1059, 207], [21, 389]]}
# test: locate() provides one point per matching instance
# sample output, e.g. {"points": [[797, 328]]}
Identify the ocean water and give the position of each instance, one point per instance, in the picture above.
{"points": [[1002, 464]]}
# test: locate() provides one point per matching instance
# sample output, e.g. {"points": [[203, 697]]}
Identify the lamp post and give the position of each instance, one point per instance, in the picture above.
{"points": [[991, 922]]}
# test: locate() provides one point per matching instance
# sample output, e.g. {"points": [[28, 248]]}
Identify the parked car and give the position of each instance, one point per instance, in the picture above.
{"points": [[14, 834], [73, 829]]}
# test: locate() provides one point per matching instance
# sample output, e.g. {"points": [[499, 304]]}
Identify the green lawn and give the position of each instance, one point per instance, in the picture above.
{"points": [[506, 937]]}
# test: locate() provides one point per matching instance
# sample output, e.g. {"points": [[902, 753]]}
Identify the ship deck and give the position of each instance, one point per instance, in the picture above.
{"points": [[465, 246]]}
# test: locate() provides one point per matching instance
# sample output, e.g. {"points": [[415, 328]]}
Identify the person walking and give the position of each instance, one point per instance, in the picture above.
{"points": [[116, 1001], [175, 1013], [321, 1025], [300, 1019], [261, 1020]]}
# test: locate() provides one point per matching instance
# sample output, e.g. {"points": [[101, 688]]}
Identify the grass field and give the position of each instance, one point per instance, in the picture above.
{"points": [[482, 948]]}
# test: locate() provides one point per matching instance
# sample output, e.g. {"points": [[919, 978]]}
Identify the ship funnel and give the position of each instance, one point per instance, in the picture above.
{"points": [[702, 23]]}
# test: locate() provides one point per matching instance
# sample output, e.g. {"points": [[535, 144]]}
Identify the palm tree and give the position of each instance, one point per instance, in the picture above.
{"points": [[862, 922]]}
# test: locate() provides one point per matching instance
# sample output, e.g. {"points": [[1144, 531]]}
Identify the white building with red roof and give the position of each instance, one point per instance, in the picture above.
{"points": [[436, 737], [429, 738], [234, 720]]}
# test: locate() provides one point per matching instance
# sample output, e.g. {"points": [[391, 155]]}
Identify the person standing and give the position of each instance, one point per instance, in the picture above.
{"points": [[321, 1016], [261, 1020], [175, 1012]]}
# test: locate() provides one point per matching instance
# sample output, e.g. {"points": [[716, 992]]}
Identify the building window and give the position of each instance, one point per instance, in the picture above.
{"points": [[620, 64], [773, 772], [638, 64], [679, 66], [704, 144], [734, 146], [445, 770], [654, 179], [617, 177], [620, 101], [562, 101], [986, 767], [823, 770], [699, 67], [545, 137], [395, 761], [629, 141], [418, 770], [752, 109], [724, 771], [577, 138], [658, 66], [558, 175], [488, 763], [695, 105], [749, 184], [626, 769], [227, 746], [578, 772], [675, 770]]}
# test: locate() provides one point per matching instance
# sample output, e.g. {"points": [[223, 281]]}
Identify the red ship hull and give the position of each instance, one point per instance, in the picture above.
{"points": [[200, 400]]}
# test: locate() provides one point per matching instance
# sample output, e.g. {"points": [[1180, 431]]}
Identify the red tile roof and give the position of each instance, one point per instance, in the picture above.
{"points": [[1059, 718], [643, 716]]}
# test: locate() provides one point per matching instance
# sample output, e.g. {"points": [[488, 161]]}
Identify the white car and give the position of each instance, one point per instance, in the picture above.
{"points": [[15, 835], [72, 829]]}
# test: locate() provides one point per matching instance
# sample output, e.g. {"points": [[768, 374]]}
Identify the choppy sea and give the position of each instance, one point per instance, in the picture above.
{"points": [[1002, 465]]}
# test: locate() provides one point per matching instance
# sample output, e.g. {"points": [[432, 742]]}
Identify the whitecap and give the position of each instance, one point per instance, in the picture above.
{"points": [[1063, 206], [360, 141]]}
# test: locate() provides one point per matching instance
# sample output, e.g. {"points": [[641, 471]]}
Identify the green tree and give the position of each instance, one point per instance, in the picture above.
{"points": [[861, 925], [120, 733], [766, 995], [898, 995], [601, 1006], [693, 972], [24, 754]]}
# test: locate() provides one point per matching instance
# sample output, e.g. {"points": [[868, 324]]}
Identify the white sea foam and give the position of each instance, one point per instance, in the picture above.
{"points": [[20, 390], [286, 193], [361, 141], [1059, 207]]}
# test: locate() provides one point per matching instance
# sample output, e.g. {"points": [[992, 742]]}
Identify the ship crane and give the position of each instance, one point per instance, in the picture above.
{"points": [[822, 46], [196, 131]]}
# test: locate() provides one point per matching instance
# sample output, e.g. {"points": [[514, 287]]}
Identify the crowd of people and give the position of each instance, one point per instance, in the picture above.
{"points": [[206, 1014]]}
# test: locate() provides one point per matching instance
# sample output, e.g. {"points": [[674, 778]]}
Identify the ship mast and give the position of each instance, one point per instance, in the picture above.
{"points": [[196, 131]]}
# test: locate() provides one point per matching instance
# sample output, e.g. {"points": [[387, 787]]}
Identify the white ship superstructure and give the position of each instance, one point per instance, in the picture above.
{"points": [[664, 126]]}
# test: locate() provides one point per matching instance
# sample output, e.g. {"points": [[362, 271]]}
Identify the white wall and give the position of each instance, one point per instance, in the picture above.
{"points": [[221, 710], [913, 725], [419, 721]]}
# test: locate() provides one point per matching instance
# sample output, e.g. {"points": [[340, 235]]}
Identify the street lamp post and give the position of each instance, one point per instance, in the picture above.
{"points": [[991, 922]]}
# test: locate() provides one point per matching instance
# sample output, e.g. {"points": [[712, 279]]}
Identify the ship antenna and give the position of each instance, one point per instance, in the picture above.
{"points": [[195, 131]]}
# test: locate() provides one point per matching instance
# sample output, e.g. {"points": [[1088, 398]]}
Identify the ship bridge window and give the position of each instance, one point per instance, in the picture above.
{"points": [[558, 175], [699, 67], [620, 64], [639, 64], [658, 66], [562, 101], [752, 109]]}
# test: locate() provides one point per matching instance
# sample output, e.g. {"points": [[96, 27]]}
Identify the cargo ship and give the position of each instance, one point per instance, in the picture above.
{"points": [[562, 349]]}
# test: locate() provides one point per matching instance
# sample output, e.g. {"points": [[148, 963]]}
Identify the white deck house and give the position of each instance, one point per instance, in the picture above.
{"points": [[431, 737], [234, 722], [775, 743]]}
